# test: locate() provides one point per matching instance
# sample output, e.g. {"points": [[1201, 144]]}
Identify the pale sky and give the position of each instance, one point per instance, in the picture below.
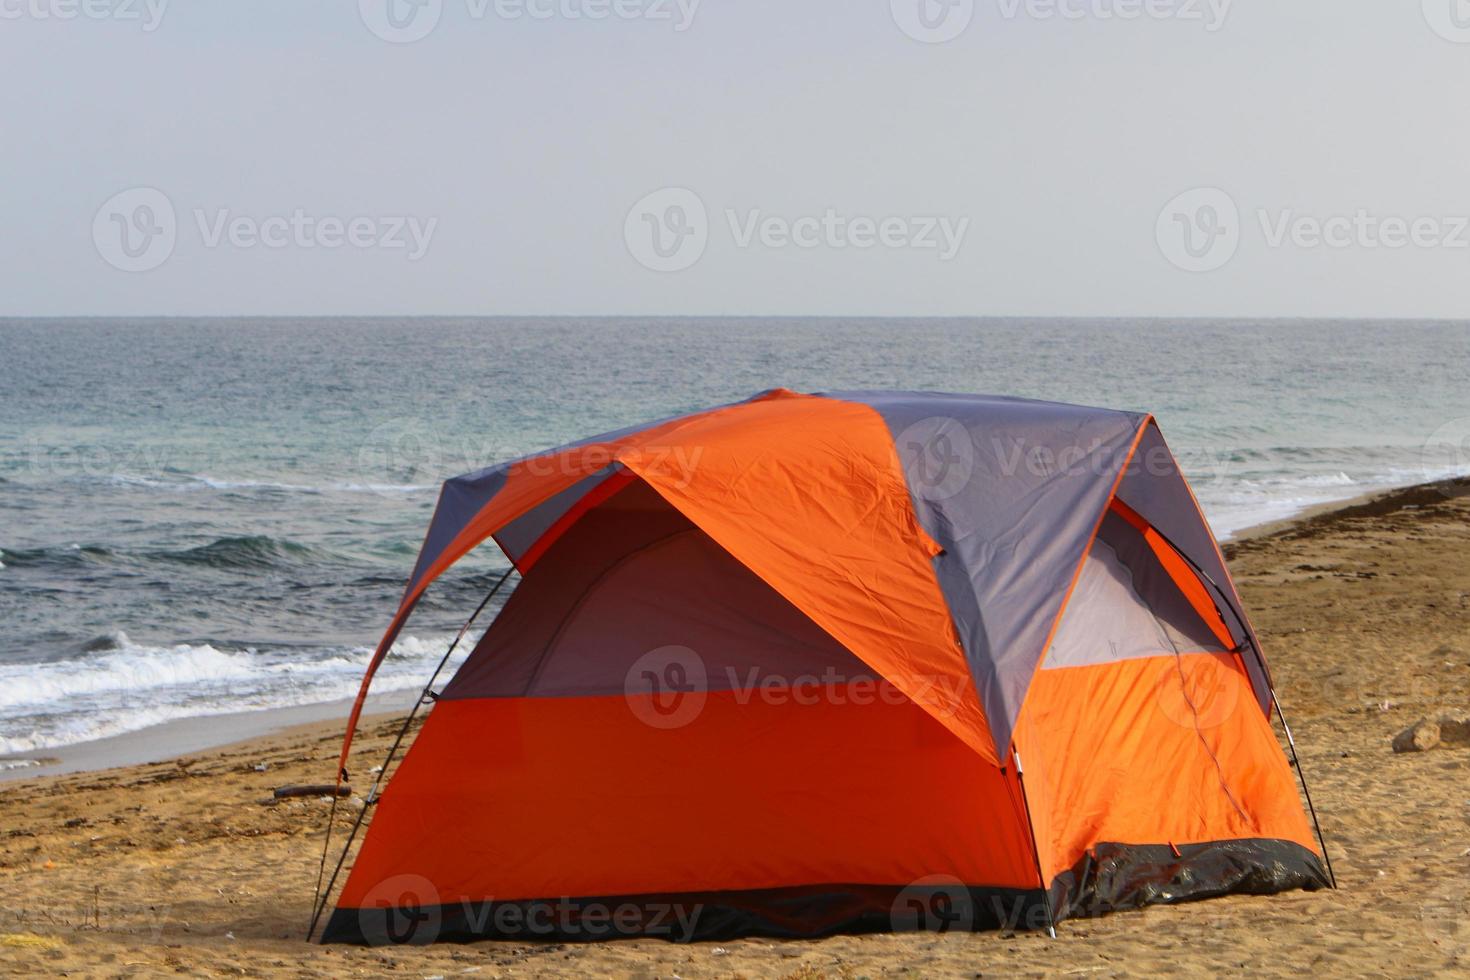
{"points": [[811, 157]]}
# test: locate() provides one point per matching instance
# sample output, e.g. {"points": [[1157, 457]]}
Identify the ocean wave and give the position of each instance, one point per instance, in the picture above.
{"points": [[9, 764], [124, 666], [70, 554], [244, 552], [381, 487], [194, 482], [120, 686], [253, 551], [335, 487]]}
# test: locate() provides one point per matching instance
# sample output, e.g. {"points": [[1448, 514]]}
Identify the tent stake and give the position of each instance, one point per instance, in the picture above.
{"points": [[319, 900], [1051, 925]]}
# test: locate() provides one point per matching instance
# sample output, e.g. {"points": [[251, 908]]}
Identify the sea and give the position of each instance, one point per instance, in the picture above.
{"points": [[208, 516]]}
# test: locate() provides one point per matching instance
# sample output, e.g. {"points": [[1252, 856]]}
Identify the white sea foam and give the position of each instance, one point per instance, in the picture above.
{"points": [[130, 667], [8, 764], [133, 685], [1236, 503]]}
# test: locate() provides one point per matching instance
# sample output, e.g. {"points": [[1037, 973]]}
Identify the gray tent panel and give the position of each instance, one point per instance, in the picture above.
{"points": [[1156, 489], [1013, 490], [521, 534], [1126, 606]]}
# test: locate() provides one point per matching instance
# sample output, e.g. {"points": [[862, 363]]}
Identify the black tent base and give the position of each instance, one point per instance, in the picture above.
{"points": [[1112, 877], [1128, 876], [789, 913]]}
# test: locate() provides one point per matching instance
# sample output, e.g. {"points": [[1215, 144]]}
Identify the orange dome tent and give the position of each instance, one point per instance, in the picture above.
{"points": [[845, 662]]}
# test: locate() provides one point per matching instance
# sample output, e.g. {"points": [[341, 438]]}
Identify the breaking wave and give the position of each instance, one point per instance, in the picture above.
{"points": [[117, 685]]}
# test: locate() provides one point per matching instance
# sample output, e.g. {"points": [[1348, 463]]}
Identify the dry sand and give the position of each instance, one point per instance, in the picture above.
{"points": [[179, 867]]}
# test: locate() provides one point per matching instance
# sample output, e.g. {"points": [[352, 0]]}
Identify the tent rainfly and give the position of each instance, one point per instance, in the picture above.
{"points": [[846, 662]]}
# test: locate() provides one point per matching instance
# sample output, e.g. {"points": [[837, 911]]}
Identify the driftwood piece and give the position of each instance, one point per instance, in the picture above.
{"points": [[314, 789]]}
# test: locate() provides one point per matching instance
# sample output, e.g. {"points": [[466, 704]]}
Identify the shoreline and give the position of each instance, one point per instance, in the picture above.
{"points": [[1371, 503], [189, 736], [1305, 511], [184, 737]]}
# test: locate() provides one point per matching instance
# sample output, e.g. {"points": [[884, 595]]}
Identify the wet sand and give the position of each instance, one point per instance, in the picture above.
{"points": [[188, 867]]}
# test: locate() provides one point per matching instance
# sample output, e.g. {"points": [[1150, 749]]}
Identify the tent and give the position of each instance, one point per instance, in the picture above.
{"points": [[808, 664]]}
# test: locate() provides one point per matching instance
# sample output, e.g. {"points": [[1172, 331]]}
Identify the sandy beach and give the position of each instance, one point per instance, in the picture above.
{"points": [[189, 866]]}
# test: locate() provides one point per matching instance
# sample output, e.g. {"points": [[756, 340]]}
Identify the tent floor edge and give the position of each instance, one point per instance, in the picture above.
{"points": [[936, 903], [1113, 877]]}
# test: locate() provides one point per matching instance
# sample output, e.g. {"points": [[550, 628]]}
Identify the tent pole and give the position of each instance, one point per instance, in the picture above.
{"points": [[1302, 777], [1051, 925], [319, 900]]}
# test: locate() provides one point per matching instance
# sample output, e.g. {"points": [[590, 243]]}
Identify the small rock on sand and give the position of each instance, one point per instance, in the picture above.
{"points": [[1454, 728], [1450, 730], [1421, 736]]}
